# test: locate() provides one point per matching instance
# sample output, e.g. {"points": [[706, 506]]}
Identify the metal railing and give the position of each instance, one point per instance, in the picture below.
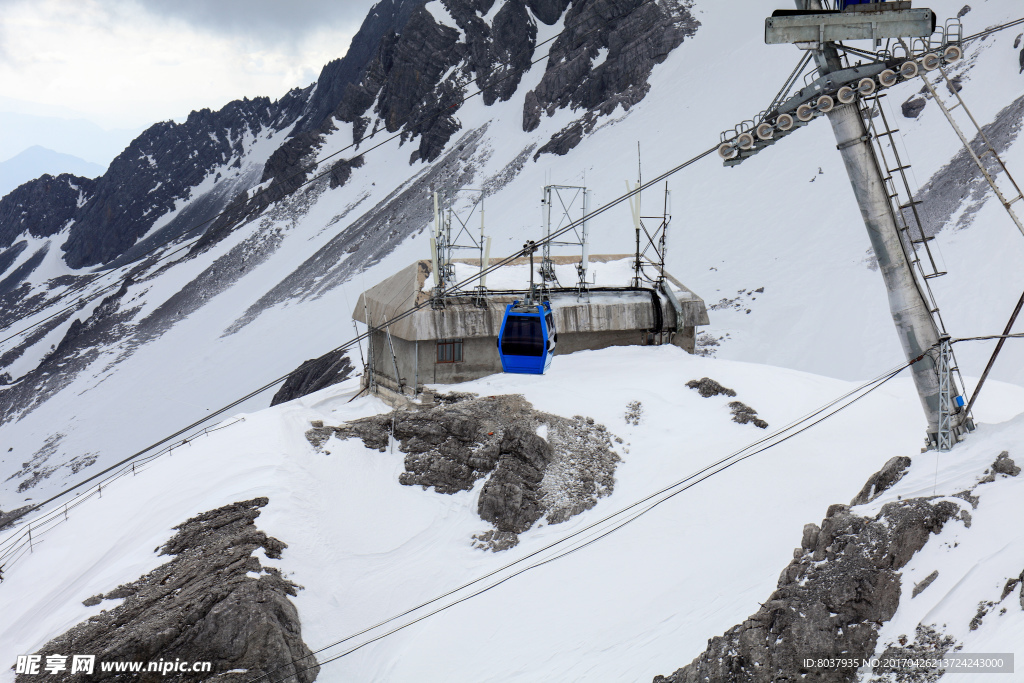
{"points": [[27, 534]]}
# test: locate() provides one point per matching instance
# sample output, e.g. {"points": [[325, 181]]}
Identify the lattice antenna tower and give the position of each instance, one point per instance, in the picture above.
{"points": [[562, 205], [455, 229], [651, 234]]}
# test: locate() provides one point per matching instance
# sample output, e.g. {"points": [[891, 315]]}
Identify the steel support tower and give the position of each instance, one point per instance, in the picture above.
{"points": [[917, 331]]}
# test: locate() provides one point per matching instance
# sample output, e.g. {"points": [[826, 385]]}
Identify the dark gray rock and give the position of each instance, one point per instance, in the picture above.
{"points": [[602, 61], [928, 644], [1008, 588], [809, 541], [547, 11], [927, 581], [514, 38], [511, 497], [565, 140], [202, 605], [163, 164], [8, 518], [42, 207], [1005, 465], [314, 375], [830, 602], [983, 608], [385, 18], [160, 167], [10, 254], [882, 480], [744, 414], [463, 439], [341, 170], [709, 387], [913, 107]]}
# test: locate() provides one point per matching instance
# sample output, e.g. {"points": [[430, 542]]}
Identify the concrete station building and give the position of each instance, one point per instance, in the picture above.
{"points": [[458, 342]]}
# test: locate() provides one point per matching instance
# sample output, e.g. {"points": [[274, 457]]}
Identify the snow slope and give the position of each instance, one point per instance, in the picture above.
{"points": [[640, 602], [762, 224], [654, 602]]}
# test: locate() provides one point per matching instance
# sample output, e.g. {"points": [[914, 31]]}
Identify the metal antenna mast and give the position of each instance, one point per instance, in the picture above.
{"points": [[451, 232], [832, 90], [650, 252], [563, 205]]}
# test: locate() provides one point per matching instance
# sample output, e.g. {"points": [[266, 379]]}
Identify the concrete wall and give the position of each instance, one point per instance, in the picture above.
{"points": [[417, 361]]}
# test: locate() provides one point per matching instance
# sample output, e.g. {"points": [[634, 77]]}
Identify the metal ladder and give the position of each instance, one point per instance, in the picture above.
{"points": [[989, 149], [903, 206], [901, 197]]}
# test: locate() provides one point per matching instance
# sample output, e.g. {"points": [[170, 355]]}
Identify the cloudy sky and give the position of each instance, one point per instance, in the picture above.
{"points": [[128, 63]]}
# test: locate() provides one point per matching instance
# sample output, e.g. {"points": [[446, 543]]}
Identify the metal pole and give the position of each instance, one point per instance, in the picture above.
{"points": [[531, 248], [1007, 204], [915, 327], [995, 353]]}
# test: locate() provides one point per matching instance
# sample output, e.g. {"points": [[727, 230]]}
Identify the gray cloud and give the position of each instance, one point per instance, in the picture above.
{"points": [[265, 21]]}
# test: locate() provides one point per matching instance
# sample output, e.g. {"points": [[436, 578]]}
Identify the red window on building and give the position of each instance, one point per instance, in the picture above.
{"points": [[449, 351]]}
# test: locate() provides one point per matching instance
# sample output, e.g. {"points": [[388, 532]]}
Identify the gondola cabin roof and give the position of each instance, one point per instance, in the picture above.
{"points": [[616, 308]]}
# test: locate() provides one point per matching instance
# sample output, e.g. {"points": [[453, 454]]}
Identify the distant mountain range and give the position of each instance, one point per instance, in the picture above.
{"points": [[37, 160], [76, 136]]}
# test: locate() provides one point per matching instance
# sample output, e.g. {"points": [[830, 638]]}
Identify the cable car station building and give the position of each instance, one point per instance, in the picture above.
{"points": [[455, 339]]}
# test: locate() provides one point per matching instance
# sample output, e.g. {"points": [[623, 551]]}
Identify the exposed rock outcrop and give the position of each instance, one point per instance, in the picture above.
{"points": [[744, 414], [602, 61], [741, 412], [708, 387], [536, 465], [314, 375], [842, 584], [913, 107], [204, 605], [42, 207], [927, 645], [163, 165], [882, 480]]}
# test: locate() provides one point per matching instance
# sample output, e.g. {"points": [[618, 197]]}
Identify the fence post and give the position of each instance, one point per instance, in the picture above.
{"points": [[65, 512], [101, 490], [133, 469], [30, 548]]}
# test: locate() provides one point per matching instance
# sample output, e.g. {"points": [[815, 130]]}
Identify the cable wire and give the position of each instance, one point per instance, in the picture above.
{"points": [[82, 301], [994, 29], [672, 491], [355, 340]]}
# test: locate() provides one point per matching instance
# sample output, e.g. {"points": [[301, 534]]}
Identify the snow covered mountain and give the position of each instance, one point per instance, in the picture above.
{"points": [[275, 221]]}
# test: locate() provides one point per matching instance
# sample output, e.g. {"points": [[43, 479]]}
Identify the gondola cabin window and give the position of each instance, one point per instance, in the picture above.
{"points": [[449, 351]]}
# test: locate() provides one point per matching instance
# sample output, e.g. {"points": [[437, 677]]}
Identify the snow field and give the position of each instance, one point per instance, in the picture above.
{"points": [[641, 601]]}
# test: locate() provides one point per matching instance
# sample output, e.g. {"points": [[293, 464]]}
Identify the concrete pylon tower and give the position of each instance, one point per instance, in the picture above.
{"points": [[915, 326]]}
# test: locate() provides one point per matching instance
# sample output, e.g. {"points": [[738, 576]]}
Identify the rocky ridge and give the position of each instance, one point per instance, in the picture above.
{"points": [[213, 602], [843, 584]]}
